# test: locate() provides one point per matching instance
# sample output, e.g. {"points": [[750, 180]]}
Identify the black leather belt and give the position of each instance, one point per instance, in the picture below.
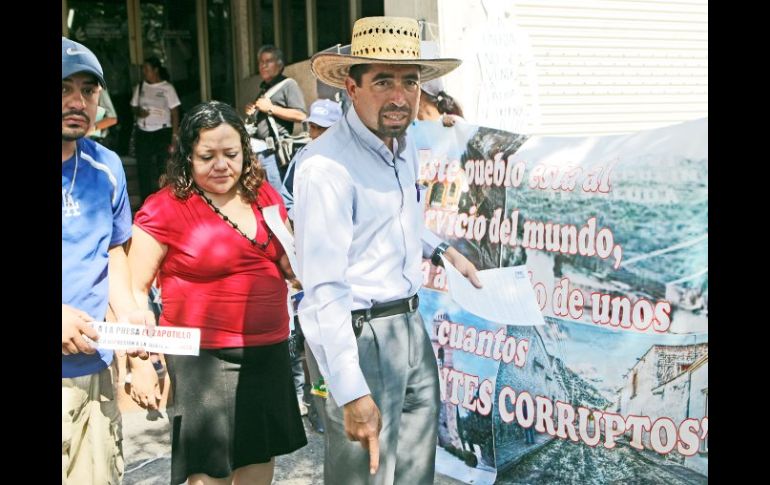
{"points": [[387, 309]]}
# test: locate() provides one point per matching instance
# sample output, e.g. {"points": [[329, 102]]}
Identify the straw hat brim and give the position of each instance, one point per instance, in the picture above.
{"points": [[332, 69]]}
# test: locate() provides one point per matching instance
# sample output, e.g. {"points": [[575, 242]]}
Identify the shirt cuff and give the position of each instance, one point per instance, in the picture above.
{"points": [[430, 239], [347, 385]]}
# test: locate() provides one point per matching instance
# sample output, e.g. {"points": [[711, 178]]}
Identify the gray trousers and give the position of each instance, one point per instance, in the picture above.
{"points": [[396, 357]]}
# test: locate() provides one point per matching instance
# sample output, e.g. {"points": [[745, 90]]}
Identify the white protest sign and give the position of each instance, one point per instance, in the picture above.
{"points": [[165, 340], [274, 222], [506, 297]]}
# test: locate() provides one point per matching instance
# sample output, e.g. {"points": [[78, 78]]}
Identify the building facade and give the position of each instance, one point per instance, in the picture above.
{"points": [[543, 67], [670, 381]]}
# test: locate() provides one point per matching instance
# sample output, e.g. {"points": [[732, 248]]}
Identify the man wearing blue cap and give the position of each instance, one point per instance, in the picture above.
{"points": [[96, 222]]}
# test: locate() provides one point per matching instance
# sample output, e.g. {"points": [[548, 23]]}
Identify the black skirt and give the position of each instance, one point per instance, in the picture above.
{"points": [[232, 408]]}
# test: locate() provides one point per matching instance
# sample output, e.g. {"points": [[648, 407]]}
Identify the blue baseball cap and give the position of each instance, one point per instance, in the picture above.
{"points": [[76, 57], [324, 112]]}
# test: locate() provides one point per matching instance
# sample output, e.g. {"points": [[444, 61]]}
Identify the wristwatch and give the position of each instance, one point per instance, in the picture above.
{"points": [[270, 111], [436, 256]]}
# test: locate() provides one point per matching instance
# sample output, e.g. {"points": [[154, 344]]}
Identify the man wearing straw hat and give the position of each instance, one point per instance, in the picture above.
{"points": [[358, 222]]}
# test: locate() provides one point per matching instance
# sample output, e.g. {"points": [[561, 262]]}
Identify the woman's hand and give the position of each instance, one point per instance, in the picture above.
{"points": [[145, 386], [288, 273], [448, 120]]}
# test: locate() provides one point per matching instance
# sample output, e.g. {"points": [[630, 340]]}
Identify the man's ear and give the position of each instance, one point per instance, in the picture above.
{"points": [[351, 87]]}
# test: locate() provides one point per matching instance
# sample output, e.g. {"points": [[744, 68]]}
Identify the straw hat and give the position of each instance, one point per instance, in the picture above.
{"points": [[380, 40]]}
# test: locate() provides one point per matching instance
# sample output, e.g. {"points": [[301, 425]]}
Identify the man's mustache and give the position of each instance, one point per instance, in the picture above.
{"points": [[393, 107], [78, 113]]}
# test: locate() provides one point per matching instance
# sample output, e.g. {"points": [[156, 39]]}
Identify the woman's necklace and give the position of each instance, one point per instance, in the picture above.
{"points": [[71, 207], [216, 209]]}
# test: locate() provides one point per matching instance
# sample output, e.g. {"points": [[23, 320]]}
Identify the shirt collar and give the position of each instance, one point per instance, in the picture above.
{"points": [[371, 141], [265, 86]]}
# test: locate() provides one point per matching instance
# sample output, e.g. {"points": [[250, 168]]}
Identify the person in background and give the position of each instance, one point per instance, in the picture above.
{"points": [[323, 114], [96, 224], [436, 104], [222, 271], [156, 107], [106, 116], [286, 105]]}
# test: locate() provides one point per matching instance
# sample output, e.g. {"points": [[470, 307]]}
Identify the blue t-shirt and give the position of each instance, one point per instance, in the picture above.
{"points": [[96, 215]]}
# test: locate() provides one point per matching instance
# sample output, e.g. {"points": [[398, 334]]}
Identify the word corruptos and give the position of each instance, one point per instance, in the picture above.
{"points": [[661, 435], [565, 421]]}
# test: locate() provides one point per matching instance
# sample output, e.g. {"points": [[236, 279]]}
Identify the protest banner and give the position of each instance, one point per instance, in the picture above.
{"points": [[613, 232]]}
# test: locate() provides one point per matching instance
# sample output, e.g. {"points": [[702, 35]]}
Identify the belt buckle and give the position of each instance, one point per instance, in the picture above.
{"points": [[413, 303], [358, 324]]}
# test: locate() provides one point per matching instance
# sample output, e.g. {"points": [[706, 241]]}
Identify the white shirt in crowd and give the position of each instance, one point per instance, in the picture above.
{"points": [[159, 99]]}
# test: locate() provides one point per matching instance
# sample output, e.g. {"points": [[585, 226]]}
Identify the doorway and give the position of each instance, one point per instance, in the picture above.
{"points": [[122, 33]]}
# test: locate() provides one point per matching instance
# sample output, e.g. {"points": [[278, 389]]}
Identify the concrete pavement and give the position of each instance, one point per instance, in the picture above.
{"points": [[147, 453], [147, 446]]}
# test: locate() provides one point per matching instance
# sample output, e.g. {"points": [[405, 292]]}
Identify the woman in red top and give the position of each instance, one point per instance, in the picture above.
{"points": [[220, 268]]}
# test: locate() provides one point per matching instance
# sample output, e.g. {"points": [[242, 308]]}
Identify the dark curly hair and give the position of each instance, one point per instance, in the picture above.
{"points": [[206, 116]]}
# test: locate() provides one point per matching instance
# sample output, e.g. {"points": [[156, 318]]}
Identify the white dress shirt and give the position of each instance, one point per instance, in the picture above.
{"points": [[358, 225]]}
